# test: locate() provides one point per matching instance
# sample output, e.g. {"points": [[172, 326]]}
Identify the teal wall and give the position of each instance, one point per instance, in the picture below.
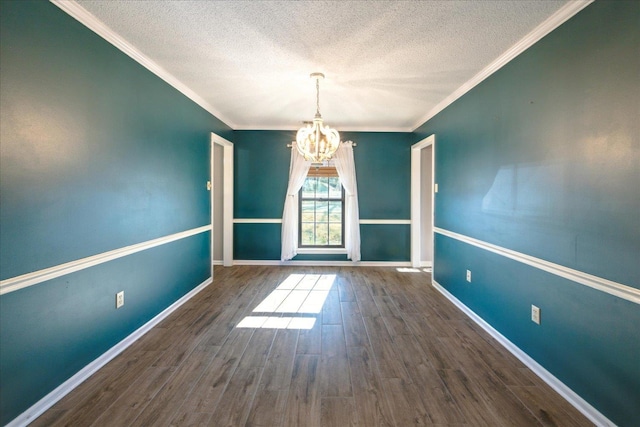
{"points": [[543, 158], [261, 171], [97, 153]]}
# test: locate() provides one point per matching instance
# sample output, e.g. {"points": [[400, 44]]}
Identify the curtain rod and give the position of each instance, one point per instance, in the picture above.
{"points": [[353, 144]]}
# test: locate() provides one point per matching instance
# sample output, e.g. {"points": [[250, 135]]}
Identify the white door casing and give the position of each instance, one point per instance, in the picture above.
{"points": [[227, 198], [416, 199]]}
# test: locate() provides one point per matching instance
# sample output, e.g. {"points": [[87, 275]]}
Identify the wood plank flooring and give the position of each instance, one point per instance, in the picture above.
{"points": [[385, 349]]}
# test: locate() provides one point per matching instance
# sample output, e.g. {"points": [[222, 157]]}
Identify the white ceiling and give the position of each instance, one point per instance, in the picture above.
{"points": [[387, 63]]}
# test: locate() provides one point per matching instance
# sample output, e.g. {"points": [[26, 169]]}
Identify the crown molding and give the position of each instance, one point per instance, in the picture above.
{"points": [[90, 21], [550, 24], [338, 128], [93, 23]]}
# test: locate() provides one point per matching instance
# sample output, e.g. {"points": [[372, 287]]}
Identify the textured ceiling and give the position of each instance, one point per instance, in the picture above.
{"points": [[387, 63]]}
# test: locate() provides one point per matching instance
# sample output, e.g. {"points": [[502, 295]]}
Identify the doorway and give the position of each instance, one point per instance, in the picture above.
{"points": [[221, 202], [423, 188]]}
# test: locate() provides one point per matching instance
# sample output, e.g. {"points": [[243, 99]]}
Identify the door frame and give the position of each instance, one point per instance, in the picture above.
{"points": [[227, 199], [416, 194]]}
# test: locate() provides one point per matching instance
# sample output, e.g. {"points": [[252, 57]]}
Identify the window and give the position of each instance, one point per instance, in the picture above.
{"points": [[321, 209]]}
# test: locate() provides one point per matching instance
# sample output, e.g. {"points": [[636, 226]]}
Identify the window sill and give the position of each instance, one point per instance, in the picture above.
{"points": [[322, 251]]}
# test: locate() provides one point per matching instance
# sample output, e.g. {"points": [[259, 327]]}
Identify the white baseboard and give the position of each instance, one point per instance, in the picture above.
{"points": [[65, 388], [570, 396], [311, 263]]}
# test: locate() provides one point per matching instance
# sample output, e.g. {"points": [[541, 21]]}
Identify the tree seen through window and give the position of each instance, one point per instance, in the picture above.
{"points": [[321, 209]]}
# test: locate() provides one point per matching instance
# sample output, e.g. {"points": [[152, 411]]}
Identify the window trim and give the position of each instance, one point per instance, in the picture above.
{"points": [[322, 172], [326, 250]]}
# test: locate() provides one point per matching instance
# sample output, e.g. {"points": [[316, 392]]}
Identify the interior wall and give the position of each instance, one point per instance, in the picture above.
{"points": [[218, 179], [426, 204], [97, 154], [261, 173], [543, 158]]}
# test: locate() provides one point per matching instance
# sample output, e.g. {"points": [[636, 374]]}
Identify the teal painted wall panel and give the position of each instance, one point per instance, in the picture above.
{"points": [[383, 171], [256, 241], [321, 257], [543, 158], [385, 242], [587, 339], [52, 330], [379, 243], [96, 153], [261, 171]]}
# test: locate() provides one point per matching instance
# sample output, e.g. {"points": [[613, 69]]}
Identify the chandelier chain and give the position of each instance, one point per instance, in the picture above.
{"points": [[318, 97], [314, 141]]}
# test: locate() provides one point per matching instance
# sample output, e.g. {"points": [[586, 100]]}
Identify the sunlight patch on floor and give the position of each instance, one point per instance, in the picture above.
{"points": [[413, 270], [297, 294], [408, 270]]}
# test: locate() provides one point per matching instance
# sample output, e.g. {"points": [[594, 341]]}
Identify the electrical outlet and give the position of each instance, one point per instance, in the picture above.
{"points": [[535, 314], [119, 299], [435, 187], [468, 275]]}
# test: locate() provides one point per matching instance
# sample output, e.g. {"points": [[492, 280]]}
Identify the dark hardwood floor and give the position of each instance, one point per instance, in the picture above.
{"points": [[385, 349]]}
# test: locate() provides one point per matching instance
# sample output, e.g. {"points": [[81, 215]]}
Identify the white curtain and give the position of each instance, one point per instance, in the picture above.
{"points": [[346, 168], [298, 170]]}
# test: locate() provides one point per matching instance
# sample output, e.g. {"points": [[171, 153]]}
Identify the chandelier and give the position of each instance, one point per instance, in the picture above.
{"points": [[315, 141]]}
